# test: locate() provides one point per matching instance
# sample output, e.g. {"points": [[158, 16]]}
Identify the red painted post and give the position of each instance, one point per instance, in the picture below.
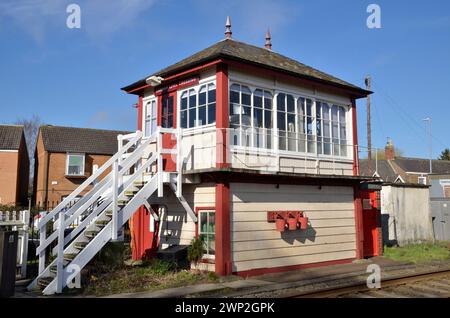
{"points": [[358, 223], [223, 232], [222, 120]]}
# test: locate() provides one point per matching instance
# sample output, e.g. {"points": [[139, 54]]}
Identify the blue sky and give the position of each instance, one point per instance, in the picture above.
{"points": [[73, 76]]}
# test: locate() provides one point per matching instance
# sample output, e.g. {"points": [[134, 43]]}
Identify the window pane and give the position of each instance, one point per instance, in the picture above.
{"points": [[203, 223], [202, 96], [291, 122], [201, 116], [281, 121], [212, 113], [184, 119], [309, 104], [258, 114], [184, 101], [290, 104], [153, 125], [281, 104], [192, 117], [343, 132], [246, 98], [234, 97], [258, 99], [192, 99], [325, 111], [212, 93], [267, 100], [334, 113], [342, 115], [268, 119]]}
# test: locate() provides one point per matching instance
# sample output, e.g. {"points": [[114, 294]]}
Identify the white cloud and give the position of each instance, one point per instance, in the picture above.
{"points": [[99, 18]]}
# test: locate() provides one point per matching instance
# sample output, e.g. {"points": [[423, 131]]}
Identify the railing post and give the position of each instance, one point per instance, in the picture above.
{"points": [[115, 199], [24, 250], [277, 148], [60, 257], [160, 164], [179, 163], [42, 237]]}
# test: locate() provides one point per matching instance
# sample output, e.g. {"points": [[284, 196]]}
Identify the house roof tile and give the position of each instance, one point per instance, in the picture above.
{"points": [[82, 140], [10, 137]]}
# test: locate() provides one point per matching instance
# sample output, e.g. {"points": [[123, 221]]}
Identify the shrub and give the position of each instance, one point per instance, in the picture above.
{"points": [[195, 250]]}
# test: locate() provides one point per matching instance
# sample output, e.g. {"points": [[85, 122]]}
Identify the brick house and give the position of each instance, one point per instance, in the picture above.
{"points": [[398, 169], [14, 166], [67, 156]]}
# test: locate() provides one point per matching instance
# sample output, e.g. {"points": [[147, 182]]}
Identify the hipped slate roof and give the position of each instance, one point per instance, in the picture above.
{"points": [[423, 165], [82, 140], [10, 137], [415, 165], [258, 56]]}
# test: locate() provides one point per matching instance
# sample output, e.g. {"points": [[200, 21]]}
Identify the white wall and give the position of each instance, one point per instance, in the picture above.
{"points": [[405, 214], [255, 243]]}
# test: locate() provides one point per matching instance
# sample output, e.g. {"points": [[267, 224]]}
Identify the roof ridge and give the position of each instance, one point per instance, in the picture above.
{"points": [[84, 128]]}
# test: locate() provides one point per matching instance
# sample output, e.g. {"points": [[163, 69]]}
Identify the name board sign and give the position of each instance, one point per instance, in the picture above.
{"points": [[177, 85]]}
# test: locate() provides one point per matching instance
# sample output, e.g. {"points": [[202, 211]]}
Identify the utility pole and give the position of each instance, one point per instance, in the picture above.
{"points": [[369, 132], [430, 149]]}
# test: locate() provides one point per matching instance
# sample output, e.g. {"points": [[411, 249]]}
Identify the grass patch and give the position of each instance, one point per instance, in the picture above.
{"points": [[150, 276], [418, 253]]}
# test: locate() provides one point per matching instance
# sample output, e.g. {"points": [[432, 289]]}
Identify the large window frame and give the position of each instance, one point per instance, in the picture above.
{"points": [[207, 231], [303, 123], [198, 106], [81, 173], [150, 117]]}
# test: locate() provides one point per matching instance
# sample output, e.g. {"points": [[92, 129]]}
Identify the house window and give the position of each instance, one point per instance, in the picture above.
{"points": [[150, 118], [206, 232], [75, 165], [286, 122], [422, 180], [331, 129]]}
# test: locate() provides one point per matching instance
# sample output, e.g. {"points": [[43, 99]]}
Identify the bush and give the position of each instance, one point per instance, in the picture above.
{"points": [[195, 250]]}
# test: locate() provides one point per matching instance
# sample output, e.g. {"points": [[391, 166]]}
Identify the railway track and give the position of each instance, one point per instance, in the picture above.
{"points": [[424, 285]]}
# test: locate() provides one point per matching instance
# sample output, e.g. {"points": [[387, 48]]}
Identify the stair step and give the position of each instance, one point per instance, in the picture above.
{"points": [[109, 213], [70, 256], [122, 202], [102, 222], [44, 281], [53, 269], [90, 234], [80, 245], [139, 184], [131, 193]]}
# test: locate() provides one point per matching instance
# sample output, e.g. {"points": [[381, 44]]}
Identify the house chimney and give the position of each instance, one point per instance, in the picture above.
{"points": [[268, 42], [228, 28], [389, 151]]}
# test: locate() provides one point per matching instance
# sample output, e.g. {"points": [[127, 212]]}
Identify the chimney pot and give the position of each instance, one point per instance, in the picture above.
{"points": [[389, 150]]}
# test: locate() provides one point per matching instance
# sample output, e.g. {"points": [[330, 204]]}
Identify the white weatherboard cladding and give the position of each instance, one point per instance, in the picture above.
{"points": [[255, 243], [176, 226]]}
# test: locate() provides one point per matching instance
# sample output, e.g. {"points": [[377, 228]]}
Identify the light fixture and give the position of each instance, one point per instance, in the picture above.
{"points": [[154, 80]]}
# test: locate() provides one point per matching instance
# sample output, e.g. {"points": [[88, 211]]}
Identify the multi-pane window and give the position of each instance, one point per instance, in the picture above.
{"points": [[303, 125], [331, 129], [75, 165], [198, 109], [150, 118], [286, 122], [262, 118], [251, 116], [206, 232]]}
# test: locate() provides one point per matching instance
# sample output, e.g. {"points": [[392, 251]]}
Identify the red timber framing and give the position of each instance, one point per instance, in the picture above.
{"points": [[357, 194], [223, 230], [222, 118]]}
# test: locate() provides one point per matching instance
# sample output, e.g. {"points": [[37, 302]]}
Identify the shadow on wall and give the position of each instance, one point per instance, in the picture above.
{"points": [[385, 224], [299, 235]]}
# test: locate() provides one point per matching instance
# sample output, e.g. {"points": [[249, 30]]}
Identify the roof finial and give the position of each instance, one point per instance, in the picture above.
{"points": [[268, 42], [228, 28]]}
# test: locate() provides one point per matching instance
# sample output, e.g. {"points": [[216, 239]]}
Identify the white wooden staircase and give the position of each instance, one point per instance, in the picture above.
{"points": [[130, 183]]}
